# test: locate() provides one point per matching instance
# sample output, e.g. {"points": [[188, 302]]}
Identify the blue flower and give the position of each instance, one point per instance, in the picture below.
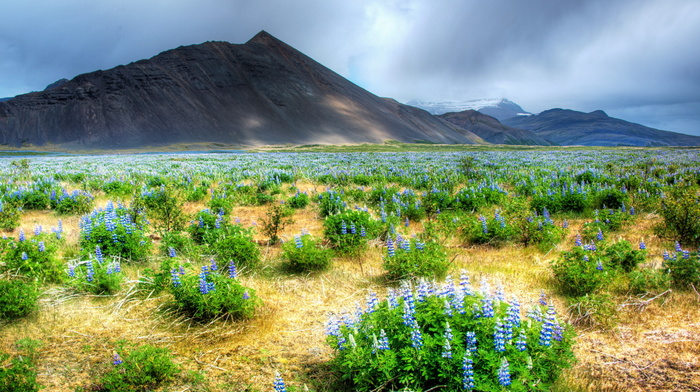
{"points": [[279, 384], [521, 342], [499, 337], [578, 240], [297, 242], [548, 327], [599, 236], [171, 252], [24, 256], [175, 278], [22, 238], [213, 266], [504, 373], [117, 360], [447, 346], [468, 372], [232, 271], [383, 340], [642, 245], [98, 254], [246, 295], [343, 228], [390, 247]]}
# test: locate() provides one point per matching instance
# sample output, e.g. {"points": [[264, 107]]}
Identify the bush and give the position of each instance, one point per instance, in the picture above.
{"points": [[76, 202], [349, 231], [649, 281], [540, 231], [213, 294], [115, 231], [621, 255], [494, 231], [35, 258], [220, 203], [298, 201], [207, 226], [683, 267], [96, 275], [611, 198], [180, 243], [17, 299], [681, 212], [163, 207], [330, 203], [276, 219], [9, 216], [306, 254], [452, 338], [236, 243], [580, 271], [405, 259], [141, 369], [18, 372], [594, 310]]}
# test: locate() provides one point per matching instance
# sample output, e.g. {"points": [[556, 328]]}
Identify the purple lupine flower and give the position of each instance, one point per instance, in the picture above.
{"points": [[278, 384], [504, 373], [343, 228], [171, 252], [98, 254], [203, 284], [90, 271], [548, 327], [390, 247], [24, 256], [599, 236], [175, 278], [213, 266], [383, 340], [232, 271], [363, 232], [246, 296], [599, 266], [521, 342], [499, 337], [578, 240], [470, 338], [38, 229], [22, 238], [117, 360], [447, 346], [642, 245], [372, 302], [71, 270], [468, 383], [678, 247]]}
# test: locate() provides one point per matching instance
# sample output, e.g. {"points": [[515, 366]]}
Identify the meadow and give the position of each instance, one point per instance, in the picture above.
{"points": [[531, 269]]}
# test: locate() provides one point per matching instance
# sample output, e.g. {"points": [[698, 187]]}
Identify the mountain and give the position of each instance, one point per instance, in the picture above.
{"points": [[569, 127], [260, 92], [491, 130], [5, 99], [501, 109]]}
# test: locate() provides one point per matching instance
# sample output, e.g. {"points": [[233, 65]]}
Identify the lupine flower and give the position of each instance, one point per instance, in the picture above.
{"points": [[470, 338], [203, 284], [578, 240], [487, 307], [383, 340], [98, 254], [468, 372], [38, 229], [521, 342], [678, 247], [278, 384], [71, 270], [420, 246], [117, 360], [90, 271], [599, 266], [447, 346], [246, 295], [642, 245], [213, 266], [548, 327], [499, 338], [297, 242], [24, 256], [175, 278], [390, 247], [565, 224], [353, 229], [232, 272], [363, 232], [599, 236], [22, 238], [343, 228], [504, 373], [416, 336], [171, 252], [372, 302]]}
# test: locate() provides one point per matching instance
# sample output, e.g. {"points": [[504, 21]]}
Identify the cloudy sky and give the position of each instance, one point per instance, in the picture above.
{"points": [[637, 59]]}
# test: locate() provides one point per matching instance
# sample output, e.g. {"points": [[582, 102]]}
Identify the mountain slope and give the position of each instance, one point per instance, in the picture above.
{"points": [[260, 92], [569, 127], [491, 130], [501, 109]]}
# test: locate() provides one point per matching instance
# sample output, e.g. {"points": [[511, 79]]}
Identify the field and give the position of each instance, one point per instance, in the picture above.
{"points": [[93, 246]]}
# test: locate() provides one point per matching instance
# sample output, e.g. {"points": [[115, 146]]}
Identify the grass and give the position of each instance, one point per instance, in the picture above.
{"points": [[654, 347]]}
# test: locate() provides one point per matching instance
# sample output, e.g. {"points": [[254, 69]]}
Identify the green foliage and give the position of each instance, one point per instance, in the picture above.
{"points": [[17, 299], [331, 203], [611, 198], [143, 368], [538, 230], [180, 242], [407, 259], [163, 207], [418, 341], [236, 243], [76, 202], [115, 231], [207, 226], [96, 276], [494, 231], [18, 372], [9, 216], [298, 201], [36, 257], [681, 212], [277, 217], [580, 272], [211, 295], [621, 255], [306, 254], [649, 281], [684, 268], [606, 221], [117, 188], [338, 230], [220, 202]]}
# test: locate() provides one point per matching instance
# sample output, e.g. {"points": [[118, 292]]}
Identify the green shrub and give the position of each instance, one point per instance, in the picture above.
{"points": [[450, 338], [349, 231], [649, 281], [143, 368], [405, 259], [683, 267], [298, 200], [116, 187], [115, 231], [76, 202], [306, 254], [196, 193], [538, 230], [277, 217], [9, 216], [220, 203], [213, 294], [36, 257], [621, 255], [681, 212], [331, 203], [18, 372], [494, 231], [611, 198], [236, 243], [580, 272], [96, 275], [180, 243], [163, 207], [207, 226], [17, 299]]}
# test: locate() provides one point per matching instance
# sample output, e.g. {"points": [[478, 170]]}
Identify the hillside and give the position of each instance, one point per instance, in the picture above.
{"points": [[491, 130], [260, 92]]}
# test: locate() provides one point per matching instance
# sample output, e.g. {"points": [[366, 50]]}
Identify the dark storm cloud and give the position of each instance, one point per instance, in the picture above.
{"points": [[636, 59]]}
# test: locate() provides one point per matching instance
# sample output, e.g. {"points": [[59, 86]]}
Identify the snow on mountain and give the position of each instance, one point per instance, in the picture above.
{"points": [[496, 107]]}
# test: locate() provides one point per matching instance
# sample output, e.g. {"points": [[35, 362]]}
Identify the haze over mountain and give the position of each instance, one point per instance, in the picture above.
{"points": [[260, 92], [491, 130], [501, 108], [570, 127]]}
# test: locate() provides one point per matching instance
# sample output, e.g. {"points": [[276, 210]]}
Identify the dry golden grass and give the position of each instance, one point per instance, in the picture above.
{"points": [[654, 347]]}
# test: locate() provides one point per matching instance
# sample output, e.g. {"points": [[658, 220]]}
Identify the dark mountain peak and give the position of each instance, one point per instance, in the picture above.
{"points": [[599, 113], [265, 38], [490, 129], [57, 83]]}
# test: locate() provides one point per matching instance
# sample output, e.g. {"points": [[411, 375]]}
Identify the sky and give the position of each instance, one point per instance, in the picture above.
{"points": [[635, 59]]}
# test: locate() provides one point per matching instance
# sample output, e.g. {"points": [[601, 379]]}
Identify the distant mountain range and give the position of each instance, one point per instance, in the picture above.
{"points": [[266, 92]]}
